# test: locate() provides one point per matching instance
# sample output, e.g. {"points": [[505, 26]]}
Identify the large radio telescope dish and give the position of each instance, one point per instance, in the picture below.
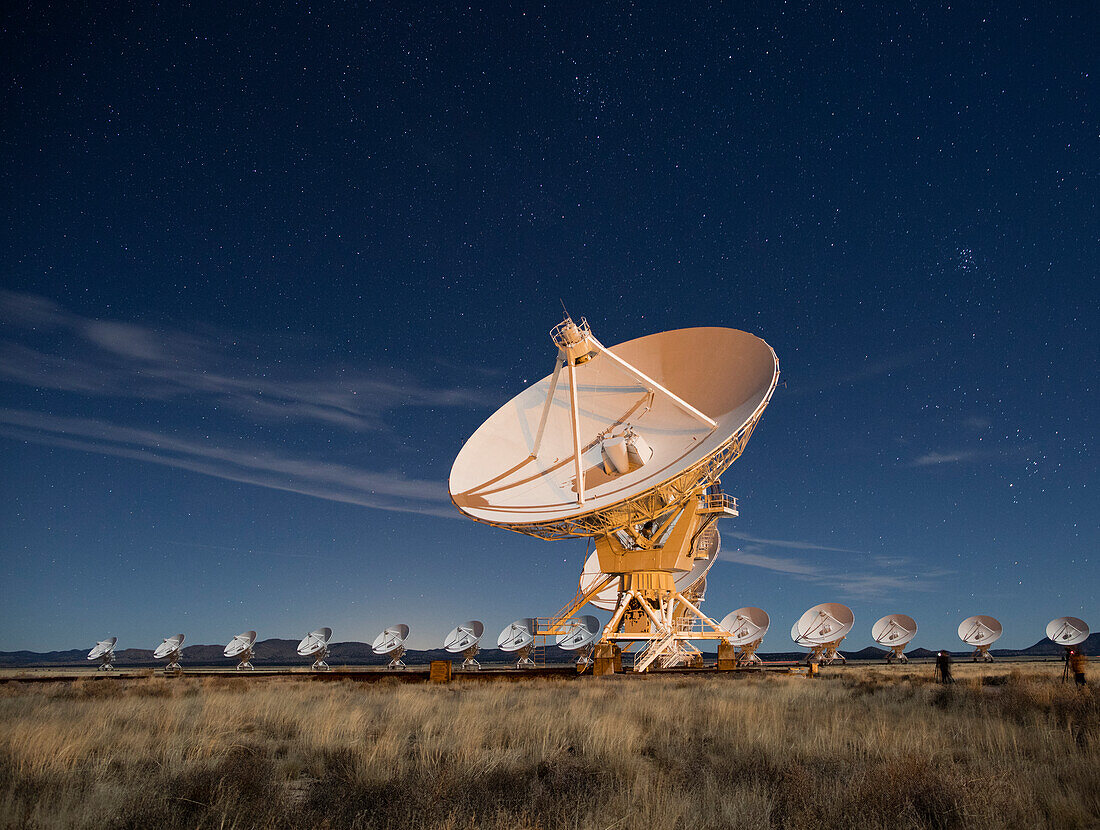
{"points": [[102, 647], [626, 446], [168, 646], [1067, 631], [314, 642], [726, 375], [894, 631], [980, 631]]}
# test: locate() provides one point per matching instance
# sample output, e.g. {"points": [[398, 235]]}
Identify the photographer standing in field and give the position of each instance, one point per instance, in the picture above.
{"points": [[1077, 661], [943, 667]]}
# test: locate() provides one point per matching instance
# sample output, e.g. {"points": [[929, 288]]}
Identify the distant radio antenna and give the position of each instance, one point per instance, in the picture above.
{"points": [[580, 635], [464, 640], [1067, 631], [391, 643], [170, 649], [748, 627], [315, 645], [821, 629], [895, 632], [519, 639], [104, 652], [980, 631], [242, 647]]}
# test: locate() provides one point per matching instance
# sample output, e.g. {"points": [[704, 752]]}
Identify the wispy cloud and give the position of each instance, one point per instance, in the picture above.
{"points": [[72, 353], [869, 369], [781, 564], [931, 459], [251, 465], [873, 577], [937, 457], [785, 543], [203, 401]]}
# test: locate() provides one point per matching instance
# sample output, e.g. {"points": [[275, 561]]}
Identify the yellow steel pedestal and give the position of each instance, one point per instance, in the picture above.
{"points": [[727, 660]]}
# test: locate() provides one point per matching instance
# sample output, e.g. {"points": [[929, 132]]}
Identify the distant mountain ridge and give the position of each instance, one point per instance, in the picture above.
{"points": [[276, 652]]}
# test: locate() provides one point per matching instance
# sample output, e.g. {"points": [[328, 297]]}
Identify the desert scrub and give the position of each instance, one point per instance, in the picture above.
{"points": [[862, 746]]}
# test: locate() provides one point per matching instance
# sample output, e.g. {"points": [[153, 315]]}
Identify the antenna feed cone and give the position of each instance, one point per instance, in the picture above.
{"points": [[575, 340]]}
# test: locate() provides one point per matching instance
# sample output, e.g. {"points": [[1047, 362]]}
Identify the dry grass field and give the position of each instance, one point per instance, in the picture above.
{"points": [[857, 747]]}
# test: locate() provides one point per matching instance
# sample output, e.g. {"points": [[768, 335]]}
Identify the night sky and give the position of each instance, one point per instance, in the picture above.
{"points": [[265, 270]]}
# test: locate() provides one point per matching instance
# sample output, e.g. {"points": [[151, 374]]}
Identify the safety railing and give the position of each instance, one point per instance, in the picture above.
{"points": [[719, 503]]}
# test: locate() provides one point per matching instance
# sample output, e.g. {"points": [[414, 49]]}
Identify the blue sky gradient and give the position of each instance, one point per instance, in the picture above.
{"points": [[262, 279]]}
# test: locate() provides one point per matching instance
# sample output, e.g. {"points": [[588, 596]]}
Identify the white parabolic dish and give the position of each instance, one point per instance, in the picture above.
{"points": [[685, 581], [314, 642], [464, 636], [101, 648], [169, 646], [894, 630], [240, 644], [824, 623], [519, 634], [728, 375], [747, 625], [979, 630], [579, 632], [1067, 631], [797, 637], [391, 639]]}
